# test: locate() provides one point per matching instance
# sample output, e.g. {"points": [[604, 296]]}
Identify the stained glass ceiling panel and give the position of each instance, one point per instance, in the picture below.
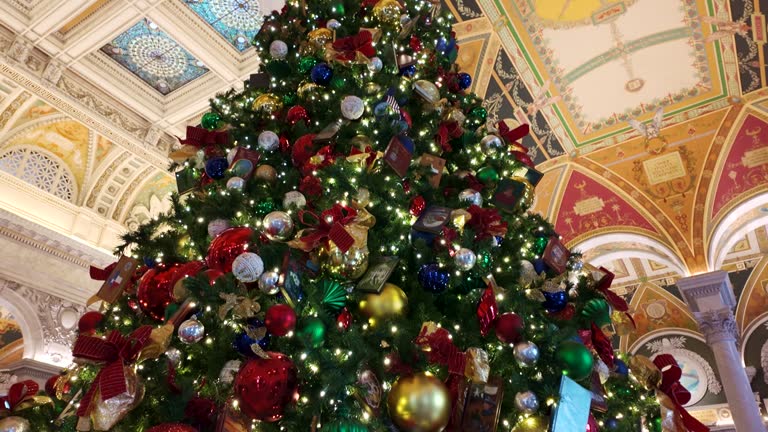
{"points": [[152, 55], [238, 21]]}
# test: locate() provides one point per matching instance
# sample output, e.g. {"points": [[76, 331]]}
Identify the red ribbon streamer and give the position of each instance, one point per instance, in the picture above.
{"points": [[199, 137], [348, 47], [513, 135], [671, 386], [329, 225], [446, 132], [487, 311], [115, 352], [17, 394], [603, 346], [486, 222], [441, 350], [611, 297]]}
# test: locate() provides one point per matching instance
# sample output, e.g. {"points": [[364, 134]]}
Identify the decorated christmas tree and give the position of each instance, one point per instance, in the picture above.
{"points": [[350, 250]]}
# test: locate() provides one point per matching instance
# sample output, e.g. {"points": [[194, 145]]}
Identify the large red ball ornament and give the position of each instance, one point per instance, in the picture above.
{"points": [[172, 427], [280, 319], [228, 246], [265, 386], [509, 327], [297, 113], [89, 321], [155, 291]]}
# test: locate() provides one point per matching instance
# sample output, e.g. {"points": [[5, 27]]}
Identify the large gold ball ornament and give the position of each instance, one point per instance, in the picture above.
{"points": [[419, 403], [267, 103], [307, 90], [351, 264], [266, 173], [427, 90], [15, 424], [387, 11], [320, 37], [531, 424], [391, 301]]}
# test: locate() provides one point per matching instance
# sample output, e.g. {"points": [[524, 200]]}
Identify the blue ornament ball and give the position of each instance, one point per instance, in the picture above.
{"points": [[216, 167], [556, 301], [408, 71], [539, 266], [464, 80], [321, 74], [243, 340], [434, 279], [621, 367], [612, 424]]}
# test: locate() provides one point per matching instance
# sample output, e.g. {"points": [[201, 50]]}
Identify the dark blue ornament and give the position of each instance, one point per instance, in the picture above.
{"points": [[555, 302], [434, 279], [149, 262], [612, 424], [621, 368], [464, 80], [497, 241], [381, 109], [216, 167], [428, 238], [243, 341], [408, 71], [539, 266], [321, 74], [446, 46]]}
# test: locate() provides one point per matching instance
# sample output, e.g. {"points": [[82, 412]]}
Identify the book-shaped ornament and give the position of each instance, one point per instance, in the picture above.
{"points": [[377, 275]]}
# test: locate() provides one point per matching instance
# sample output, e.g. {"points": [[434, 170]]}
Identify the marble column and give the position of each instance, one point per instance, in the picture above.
{"points": [[710, 298]]}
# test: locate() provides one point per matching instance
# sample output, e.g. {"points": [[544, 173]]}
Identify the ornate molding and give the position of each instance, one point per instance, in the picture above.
{"points": [[718, 326]]}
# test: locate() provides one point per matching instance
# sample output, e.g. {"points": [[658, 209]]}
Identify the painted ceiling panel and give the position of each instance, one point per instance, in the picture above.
{"points": [[238, 21], [152, 55]]}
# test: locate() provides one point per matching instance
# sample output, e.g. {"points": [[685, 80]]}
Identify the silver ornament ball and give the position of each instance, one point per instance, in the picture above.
{"points": [[174, 356], [471, 196], [191, 331], [294, 199], [333, 24], [526, 402], [526, 353], [268, 141], [465, 259], [268, 282], [490, 142], [235, 183], [230, 154], [375, 65], [278, 49], [277, 226], [527, 273], [229, 371], [352, 107], [217, 226], [247, 267]]}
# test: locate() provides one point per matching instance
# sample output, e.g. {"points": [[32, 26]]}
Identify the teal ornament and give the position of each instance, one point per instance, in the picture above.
{"points": [[211, 121], [334, 295], [313, 333]]}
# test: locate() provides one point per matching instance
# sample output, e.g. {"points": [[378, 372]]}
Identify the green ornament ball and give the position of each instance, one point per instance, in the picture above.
{"points": [[264, 207], [485, 261], [539, 245], [338, 9], [338, 83], [655, 424], [488, 175], [479, 113], [306, 64], [313, 333], [345, 426], [289, 99], [210, 121], [575, 359]]}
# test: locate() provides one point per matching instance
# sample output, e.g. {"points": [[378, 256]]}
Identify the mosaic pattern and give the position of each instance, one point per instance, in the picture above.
{"points": [[152, 55], [237, 20]]}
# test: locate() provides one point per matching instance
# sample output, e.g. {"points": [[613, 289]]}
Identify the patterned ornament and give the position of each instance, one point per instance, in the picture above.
{"points": [[174, 356], [280, 319], [434, 279], [526, 402], [191, 331], [526, 353], [278, 49], [269, 282], [247, 267], [464, 259], [333, 24], [235, 183], [216, 167], [321, 74], [352, 107], [268, 141], [217, 226], [210, 120], [277, 226], [229, 371], [471, 197], [265, 386], [294, 200]]}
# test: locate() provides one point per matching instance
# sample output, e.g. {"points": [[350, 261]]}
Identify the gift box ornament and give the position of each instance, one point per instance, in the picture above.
{"points": [[512, 194], [572, 411], [433, 219], [116, 278], [398, 157], [556, 255], [377, 275]]}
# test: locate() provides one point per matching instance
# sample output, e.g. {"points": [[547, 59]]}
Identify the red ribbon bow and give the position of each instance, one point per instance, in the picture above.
{"points": [[203, 138], [440, 349], [671, 386], [513, 135], [486, 222], [18, 393], [611, 297], [102, 274], [370, 159], [348, 47], [115, 352], [603, 346], [328, 226], [446, 132]]}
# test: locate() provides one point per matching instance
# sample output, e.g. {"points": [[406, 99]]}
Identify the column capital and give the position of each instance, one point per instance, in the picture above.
{"points": [[718, 325], [708, 292]]}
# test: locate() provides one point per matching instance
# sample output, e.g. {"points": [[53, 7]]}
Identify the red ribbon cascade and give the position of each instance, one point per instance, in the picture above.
{"points": [[671, 386], [328, 226]]}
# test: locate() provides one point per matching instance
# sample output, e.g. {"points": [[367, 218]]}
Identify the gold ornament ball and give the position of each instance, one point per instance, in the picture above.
{"points": [[267, 103], [307, 90], [320, 37], [531, 424], [391, 301], [427, 90], [387, 11], [266, 173], [419, 403], [351, 264]]}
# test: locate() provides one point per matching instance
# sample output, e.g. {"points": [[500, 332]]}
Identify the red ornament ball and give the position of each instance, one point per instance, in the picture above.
{"points": [[509, 327], [280, 319], [227, 246], [265, 386], [213, 275], [172, 427], [89, 321], [50, 386], [418, 204], [155, 291], [297, 113], [344, 319]]}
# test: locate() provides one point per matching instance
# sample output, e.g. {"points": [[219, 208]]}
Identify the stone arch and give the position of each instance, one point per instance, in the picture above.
{"points": [[743, 218], [51, 174], [27, 318], [644, 247]]}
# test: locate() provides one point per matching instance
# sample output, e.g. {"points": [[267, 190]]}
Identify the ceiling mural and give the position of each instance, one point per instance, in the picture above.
{"points": [[11, 339], [238, 21], [655, 308], [155, 57]]}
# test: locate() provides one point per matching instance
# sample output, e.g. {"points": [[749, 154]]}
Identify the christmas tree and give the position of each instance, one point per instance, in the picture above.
{"points": [[350, 250]]}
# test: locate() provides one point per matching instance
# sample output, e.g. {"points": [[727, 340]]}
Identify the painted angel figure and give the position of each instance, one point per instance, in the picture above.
{"points": [[652, 129], [541, 100], [725, 28]]}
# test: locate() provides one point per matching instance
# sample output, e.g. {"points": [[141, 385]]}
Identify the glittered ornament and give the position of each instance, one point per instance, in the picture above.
{"points": [[217, 226], [555, 301], [352, 107], [539, 244], [216, 167], [266, 173], [277, 226], [229, 371], [464, 80], [210, 121], [419, 403], [390, 302], [321, 74], [267, 103], [418, 204], [174, 356], [105, 414], [269, 282], [278, 49], [488, 175], [296, 114], [387, 11], [280, 319], [471, 197], [375, 64], [265, 387], [155, 291], [254, 333], [227, 246], [478, 114], [527, 274], [434, 279], [313, 333], [491, 142], [247, 267], [321, 36], [333, 24], [235, 183], [575, 359], [15, 424], [509, 327], [464, 259], [172, 427], [306, 64], [268, 141], [344, 319], [294, 200], [191, 331], [526, 402], [526, 353]]}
